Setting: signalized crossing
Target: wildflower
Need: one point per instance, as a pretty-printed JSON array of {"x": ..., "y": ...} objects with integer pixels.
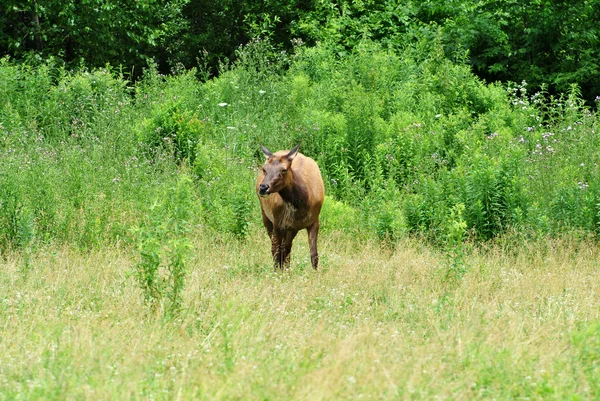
[
  {"x": 222, "y": 104},
  {"x": 583, "y": 185},
  {"x": 262, "y": 92},
  {"x": 546, "y": 135}
]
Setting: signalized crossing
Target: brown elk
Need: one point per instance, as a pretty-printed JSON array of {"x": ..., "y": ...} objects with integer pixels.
[{"x": 291, "y": 193}]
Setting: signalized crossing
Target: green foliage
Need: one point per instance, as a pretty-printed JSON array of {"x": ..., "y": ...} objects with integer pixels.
[
  {"x": 587, "y": 343},
  {"x": 174, "y": 130},
  {"x": 544, "y": 42},
  {"x": 485, "y": 195},
  {"x": 68, "y": 158},
  {"x": 541, "y": 42},
  {"x": 456, "y": 229},
  {"x": 15, "y": 219},
  {"x": 216, "y": 29},
  {"x": 382, "y": 211},
  {"x": 227, "y": 191},
  {"x": 338, "y": 216},
  {"x": 403, "y": 138},
  {"x": 120, "y": 33},
  {"x": 163, "y": 245}
]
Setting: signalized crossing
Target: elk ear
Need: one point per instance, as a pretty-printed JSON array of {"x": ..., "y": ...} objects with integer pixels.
[
  {"x": 266, "y": 151},
  {"x": 293, "y": 153}
]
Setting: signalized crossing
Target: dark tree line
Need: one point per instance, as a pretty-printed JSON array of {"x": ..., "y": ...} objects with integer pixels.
[{"x": 553, "y": 42}]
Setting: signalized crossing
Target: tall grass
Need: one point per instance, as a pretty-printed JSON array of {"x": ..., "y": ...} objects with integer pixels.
[
  {"x": 100, "y": 178},
  {"x": 401, "y": 137},
  {"x": 373, "y": 324}
]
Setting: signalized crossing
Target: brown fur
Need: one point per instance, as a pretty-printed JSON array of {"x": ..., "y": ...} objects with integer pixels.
[{"x": 291, "y": 197}]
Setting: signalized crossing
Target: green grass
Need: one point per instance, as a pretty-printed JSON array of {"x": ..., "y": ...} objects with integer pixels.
[
  {"x": 372, "y": 323},
  {"x": 458, "y": 245}
]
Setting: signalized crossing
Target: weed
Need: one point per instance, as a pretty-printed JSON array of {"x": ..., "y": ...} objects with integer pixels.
[
  {"x": 89, "y": 149},
  {"x": 163, "y": 246},
  {"x": 456, "y": 228}
]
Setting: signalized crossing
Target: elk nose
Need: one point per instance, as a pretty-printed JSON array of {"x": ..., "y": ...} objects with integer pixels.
[{"x": 262, "y": 189}]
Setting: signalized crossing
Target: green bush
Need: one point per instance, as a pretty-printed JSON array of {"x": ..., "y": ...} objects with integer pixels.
[
  {"x": 382, "y": 211},
  {"x": 402, "y": 137},
  {"x": 338, "y": 216},
  {"x": 227, "y": 193},
  {"x": 163, "y": 245},
  {"x": 171, "y": 129}
]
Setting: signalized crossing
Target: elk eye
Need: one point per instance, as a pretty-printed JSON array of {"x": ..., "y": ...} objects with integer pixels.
[{"x": 283, "y": 171}]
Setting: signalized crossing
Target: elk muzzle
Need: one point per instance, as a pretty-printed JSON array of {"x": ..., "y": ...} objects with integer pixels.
[{"x": 263, "y": 190}]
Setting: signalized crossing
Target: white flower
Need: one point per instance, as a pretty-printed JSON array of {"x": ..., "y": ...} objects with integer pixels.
[
  {"x": 222, "y": 104},
  {"x": 262, "y": 92}
]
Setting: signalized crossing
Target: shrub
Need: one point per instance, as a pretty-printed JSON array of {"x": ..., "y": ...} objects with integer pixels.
[
  {"x": 10, "y": 214},
  {"x": 402, "y": 138},
  {"x": 338, "y": 216},
  {"x": 456, "y": 228},
  {"x": 426, "y": 210},
  {"x": 382, "y": 211},
  {"x": 485, "y": 197},
  {"x": 170, "y": 128},
  {"x": 163, "y": 246},
  {"x": 226, "y": 187}
]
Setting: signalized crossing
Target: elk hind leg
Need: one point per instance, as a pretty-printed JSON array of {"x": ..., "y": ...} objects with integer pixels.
[{"x": 313, "y": 233}]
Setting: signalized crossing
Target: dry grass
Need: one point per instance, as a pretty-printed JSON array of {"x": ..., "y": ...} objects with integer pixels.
[{"x": 372, "y": 324}]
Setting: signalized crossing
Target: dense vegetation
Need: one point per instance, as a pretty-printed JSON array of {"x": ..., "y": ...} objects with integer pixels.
[
  {"x": 460, "y": 230},
  {"x": 409, "y": 142},
  {"x": 543, "y": 42}
]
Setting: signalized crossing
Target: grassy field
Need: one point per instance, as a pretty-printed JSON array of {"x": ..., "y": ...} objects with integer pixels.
[
  {"x": 373, "y": 323},
  {"x": 459, "y": 244}
]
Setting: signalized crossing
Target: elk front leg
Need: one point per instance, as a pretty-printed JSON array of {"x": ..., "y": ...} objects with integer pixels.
[
  {"x": 267, "y": 223},
  {"x": 286, "y": 246},
  {"x": 281, "y": 247},
  {"x": 276, "y": 250},
  {"x": 313, "y": 233}
]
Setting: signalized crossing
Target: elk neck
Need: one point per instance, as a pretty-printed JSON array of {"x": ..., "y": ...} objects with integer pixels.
[{"x": 295, "y": 193}]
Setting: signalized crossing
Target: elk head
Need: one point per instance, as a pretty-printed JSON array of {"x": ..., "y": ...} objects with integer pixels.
[{"x": 277, "y": 173}]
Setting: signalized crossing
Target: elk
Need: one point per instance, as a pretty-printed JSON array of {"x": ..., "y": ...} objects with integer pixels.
[{"x": 291, "y": 193}]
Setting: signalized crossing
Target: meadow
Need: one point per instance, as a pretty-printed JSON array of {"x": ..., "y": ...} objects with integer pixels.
[
  {"x": 459, "y": 250},
  {"x": 371, "y": 324}
]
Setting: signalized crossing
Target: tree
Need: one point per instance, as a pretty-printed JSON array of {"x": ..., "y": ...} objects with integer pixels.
[{"x": 117, "y": 32}]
